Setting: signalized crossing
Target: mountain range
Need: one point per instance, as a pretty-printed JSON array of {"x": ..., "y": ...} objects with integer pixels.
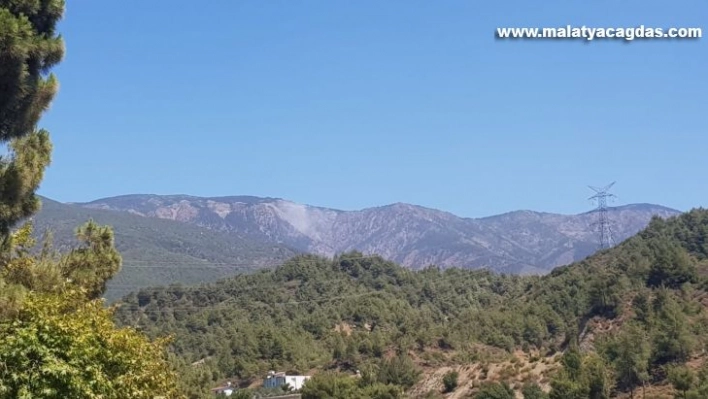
[{"x": 181, "y": 238}]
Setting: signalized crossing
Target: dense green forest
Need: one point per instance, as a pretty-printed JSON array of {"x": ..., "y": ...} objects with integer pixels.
[{"x": 629, "y": 319}]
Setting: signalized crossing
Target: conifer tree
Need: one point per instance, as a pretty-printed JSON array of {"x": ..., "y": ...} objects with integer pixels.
[
  {"x": 56, "y": 338},
  {"x": 29, "y": 48}
]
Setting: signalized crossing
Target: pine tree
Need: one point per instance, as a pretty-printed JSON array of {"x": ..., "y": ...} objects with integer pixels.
[
  {"x": 56, "y": 338},
  {"x": 630, "y": 352},
  {"x": 29, "y": 48}
]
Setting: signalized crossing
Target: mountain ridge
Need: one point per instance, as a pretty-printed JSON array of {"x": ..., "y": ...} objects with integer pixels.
[
  {"x": 523, "y": 241},
  {"x": 256, "y": 198}
]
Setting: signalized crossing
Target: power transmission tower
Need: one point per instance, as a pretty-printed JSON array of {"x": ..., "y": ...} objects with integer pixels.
[{"x": 603, "y": 222}]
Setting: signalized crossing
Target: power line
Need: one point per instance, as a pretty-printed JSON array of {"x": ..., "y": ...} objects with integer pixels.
[{"x": 603, "y": 225}]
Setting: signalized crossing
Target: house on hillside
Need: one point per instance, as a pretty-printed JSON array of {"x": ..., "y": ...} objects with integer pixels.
[
  {"x": 226, "y": 390},
  {"x": 275, "y": 380}
]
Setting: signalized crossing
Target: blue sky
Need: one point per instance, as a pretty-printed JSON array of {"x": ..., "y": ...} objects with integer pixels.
[{"x": 355, "y": 104}]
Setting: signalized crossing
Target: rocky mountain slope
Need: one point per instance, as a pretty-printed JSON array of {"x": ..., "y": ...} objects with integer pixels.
[{"x": 522, "y": 242}]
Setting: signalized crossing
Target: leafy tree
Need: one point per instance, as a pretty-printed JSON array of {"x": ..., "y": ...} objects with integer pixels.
[{"x": 60, "y": 346}]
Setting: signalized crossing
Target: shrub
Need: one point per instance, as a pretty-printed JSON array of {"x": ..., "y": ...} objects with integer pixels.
[{"x": 450, "y": 380}]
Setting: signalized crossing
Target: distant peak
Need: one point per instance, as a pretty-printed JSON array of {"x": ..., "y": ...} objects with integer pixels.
[
  {"x": 243, "y": 198},
  {"x": 401, "y": 205},
  {"x": 405, "y": 206},
  {"x": 646, "y": 207}
]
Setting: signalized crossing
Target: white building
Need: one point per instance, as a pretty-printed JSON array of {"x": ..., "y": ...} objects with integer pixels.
[
  {"x": 226, "y": 390},
  {"x": 275, "y": 380}
]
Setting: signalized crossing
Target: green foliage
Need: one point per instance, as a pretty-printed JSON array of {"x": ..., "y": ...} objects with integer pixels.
[
  {"x": 583, "y": 376},
  {"x": 572, "y": 363},
  {"x": 60, "y": 346},
  {"x": 682, "y": 378},
  {"x": 697, "y": 382},
  {"x": 629, "y": 352},
  {"x": 87, "y": 267},
  {"x": 57, "y": 340},
  {"x": 495, "y": 391},
  {"x": 565, "y": 388},
  {"x": 597, "y": 376},
  {"x": 241, "y": 394},
  {"x": 571, "y": 382},
  {"x": 338, "y": 386},
  {"x": 30, "y": 48},
  {"x": 286, "y": 318},
  {"x": 533, "y": 391},
  {"x": 399, "y": 370},
  {"x": 95, "y": 262},
  {"x": 450, "y": 381},
  {"x": 605, "y": 293},
  {"x": 672, "y": 266},
  {"x": 672, "y": 339}
]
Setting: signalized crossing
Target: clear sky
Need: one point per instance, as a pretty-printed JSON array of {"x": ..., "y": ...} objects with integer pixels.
[{"x": 351, "y": 104}]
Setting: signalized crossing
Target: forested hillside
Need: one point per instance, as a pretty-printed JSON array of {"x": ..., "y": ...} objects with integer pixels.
[
  {"x": 627, "y": 319},
  {"x": 158, "y": 251}
]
